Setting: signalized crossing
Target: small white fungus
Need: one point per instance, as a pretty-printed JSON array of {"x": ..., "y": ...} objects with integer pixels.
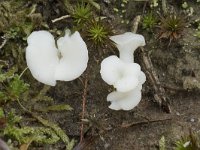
[
  {"x": 127, "y": 43},
  {"x": 41, "y": 57},
  {"x": 73, "y": 61},
  {"x": 125, "y": 75},
  {"x": 127, "y": 100},
  {"x": 48, "y": 63}
]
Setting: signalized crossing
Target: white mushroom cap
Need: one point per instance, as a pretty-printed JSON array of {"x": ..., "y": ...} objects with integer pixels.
[
  {"x": 43, "y": 60},
  {"x": 127, "y": 43},
  {"x": 123, "y": 76},
  {"x": 41, "y": 57},
  {"x": 126, "y": 100},
  {"x": 74, "y": 57}
]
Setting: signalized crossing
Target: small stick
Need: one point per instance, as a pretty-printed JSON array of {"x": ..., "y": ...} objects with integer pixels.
[
  {"x": 154, "y": 81},
  {"x": 83, "y": 106},
  {"x": 144, "y": 122},
  {"x": 136, "y": 22},
  {"x": 173, "y": 88},
  {"x": 164, "y": 7},
  {"x": 60, "y": 18},
  {"x": 152, "y": 75},
  {"x": 3, "y": 43},
  {"x": 23, "y": 72},
  {"x": 3, "y": 145}
]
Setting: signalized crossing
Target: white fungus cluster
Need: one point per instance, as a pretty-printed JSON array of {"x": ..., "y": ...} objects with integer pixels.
[
  {"x": 68, "y": 60},
  {"x": 125, "y": 75},
  {"x": 49, "y": 63}
]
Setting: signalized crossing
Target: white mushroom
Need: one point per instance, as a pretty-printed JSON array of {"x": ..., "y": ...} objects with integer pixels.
[
  {"x": 73, "y": 61},
  {"x": 41, "y": 57},
  {"x": 48, "y": 64},
  {"x": 123, "y": 76},
  {"x": 127, "y": 43},
  {"x": 126, "y": 100}
]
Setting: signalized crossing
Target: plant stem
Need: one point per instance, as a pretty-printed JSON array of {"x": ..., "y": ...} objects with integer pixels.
[
  {"x": 60, "y": 18},
  {"x": 20, "y": 104},
  {"x": 126, "y": 56},
  {"x": 3, "y": 43},
  {"x": 23, "y": 72},
  {"x": 83, "y": 106}
]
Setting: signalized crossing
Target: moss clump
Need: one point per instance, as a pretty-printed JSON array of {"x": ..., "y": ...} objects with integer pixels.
[
  {"x": 17, "y": 22},
  {"x": 82, "y": 13},
  {"x": 149, "y": 21},
  {"x": 15, "y": 91},
  {"x": 171, "y": 27},
  {"x": 189, "y": 142}
]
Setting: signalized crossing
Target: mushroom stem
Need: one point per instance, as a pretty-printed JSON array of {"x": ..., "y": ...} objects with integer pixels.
[{"x": 126, "y": 56}]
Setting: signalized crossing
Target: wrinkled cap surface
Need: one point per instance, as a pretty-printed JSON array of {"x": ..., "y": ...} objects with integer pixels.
[
  {"x": 123, "y": 76},
  {"x": 44, "y": 61},
  {"x": 127, "y": 100},
  {"x": 124, "y": 100}
]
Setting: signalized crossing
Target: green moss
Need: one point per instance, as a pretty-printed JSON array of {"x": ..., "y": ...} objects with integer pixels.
[
  {"x": 149, "y": 21},
  {"x": 162, "y": 143},
  {"x": 17, "y": 22},
  {"x": 82, "y": 13},
  {"x": 98, "y": 34},
  {"x": 32, "y": 134},
  {"x": 58, "y": 131},
  {"x": 17, "y": 87},
  {"x": 11, "y": 86},
  {"x": 28, "y": 134},
  {"x": 189, "y": 142},
  {"x": 12, "y": 90},
  {"x": 172, "y": 27}
]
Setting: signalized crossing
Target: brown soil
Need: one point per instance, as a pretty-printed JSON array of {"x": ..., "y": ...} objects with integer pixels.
[{"x": 178, "y": 69}]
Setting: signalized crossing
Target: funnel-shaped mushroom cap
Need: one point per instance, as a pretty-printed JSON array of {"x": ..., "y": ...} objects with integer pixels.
[
  {"x": 127, "y": 43},
  {"x": 74, "y": 57},
  {"x": 41, "y": 56},
  {"x": 126, "y": 100},
  {"x": 123, "y": 76}
]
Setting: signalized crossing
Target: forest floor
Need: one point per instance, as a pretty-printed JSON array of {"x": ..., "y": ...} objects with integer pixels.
[{"x": 177, "y": 66}]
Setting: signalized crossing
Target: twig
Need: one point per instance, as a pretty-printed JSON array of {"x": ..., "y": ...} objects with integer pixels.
[
  {"x": 3, "y": 43},
  {"x": 60, "y": 18},
  {"x": 136, "y": 22},
  {"x": 143, "y": 122},
  {"x": 173, "y": 88},
  {"x": 23, "y": 72},
  {"x": 25, "y": 109},
  {"x": 152, "y": 75},
  {"x": 159, "y": 94},
  {"x": 144, "y": 7},
  {"x": 3, "y": 145},
  {"x": 83, "y": 106},
  {"x": 164, "y": 7}
]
